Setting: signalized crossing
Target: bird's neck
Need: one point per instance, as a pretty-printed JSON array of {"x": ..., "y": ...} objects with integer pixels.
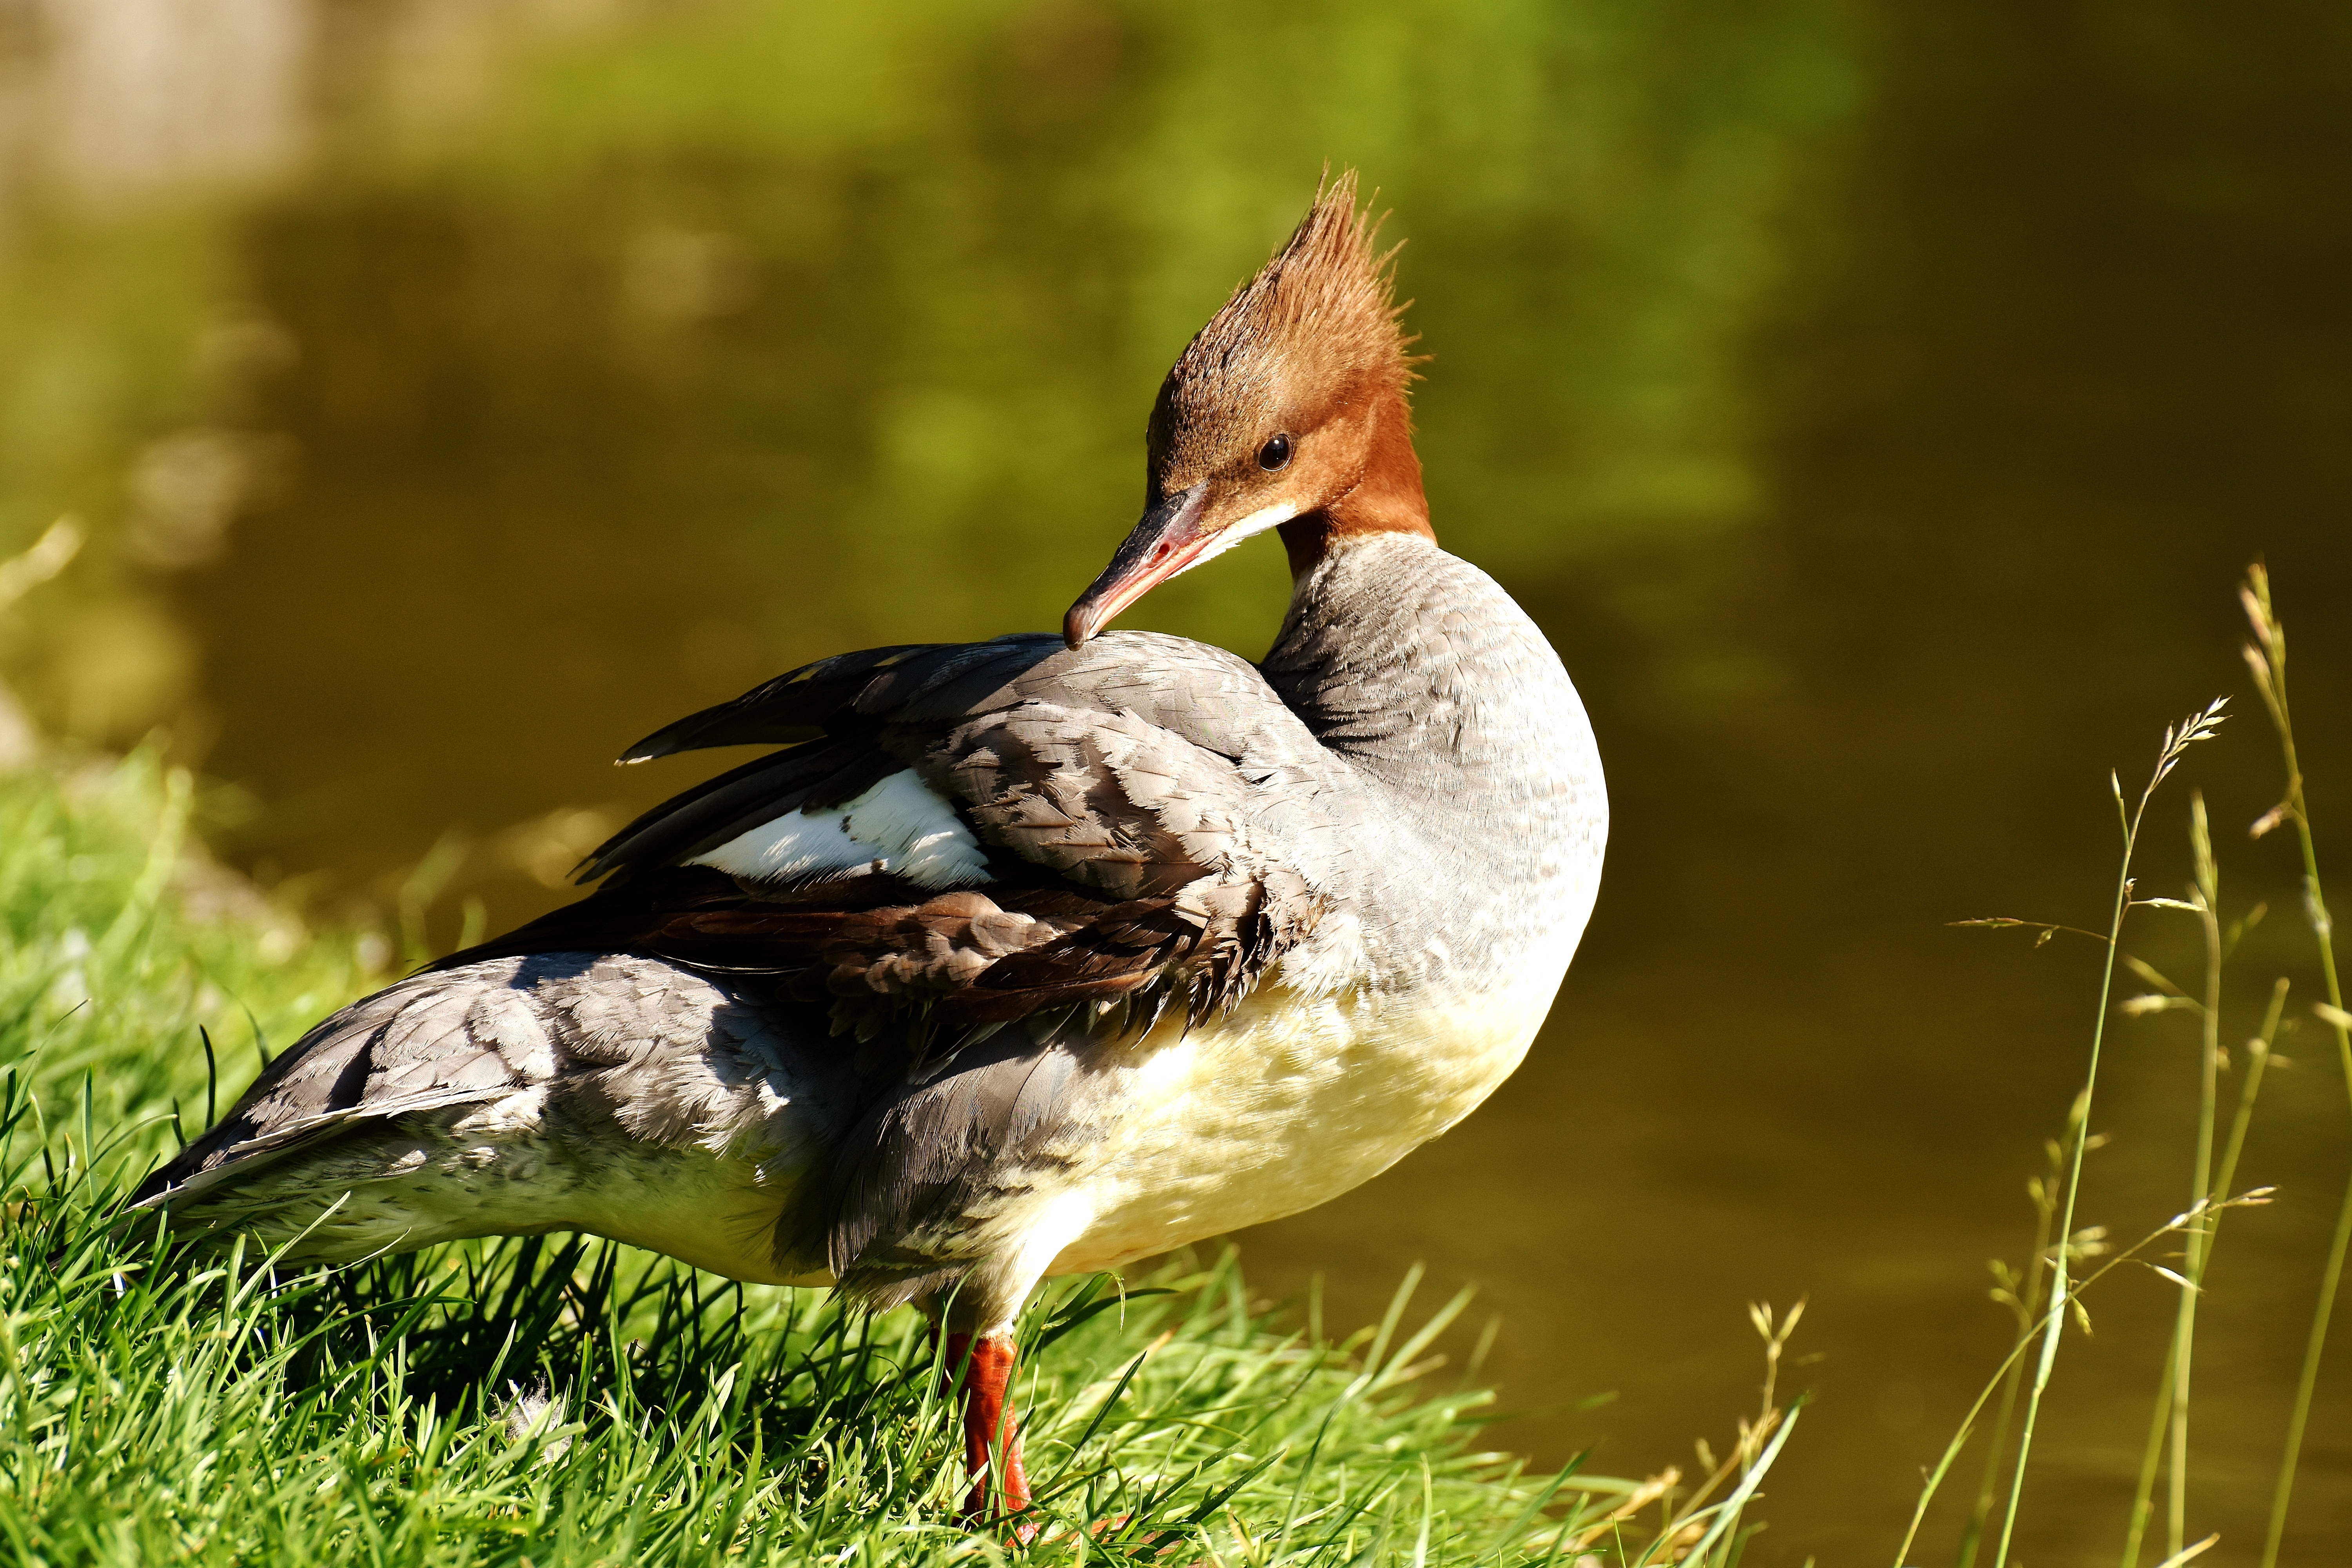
[
  {"x": 1418, "y": 668},
  {"x": 1486, "y": 809}
]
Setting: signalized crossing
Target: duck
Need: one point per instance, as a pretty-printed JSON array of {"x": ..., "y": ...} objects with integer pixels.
[{"x": 1021, "y": 958}]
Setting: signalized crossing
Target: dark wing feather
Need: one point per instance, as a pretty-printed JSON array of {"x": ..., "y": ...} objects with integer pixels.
[
  {"x": 929, "y": 681},
  {"x": 836, "y": 709}
]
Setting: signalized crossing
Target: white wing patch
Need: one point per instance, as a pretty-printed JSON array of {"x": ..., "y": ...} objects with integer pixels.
[{"x": 899, "y": 827}]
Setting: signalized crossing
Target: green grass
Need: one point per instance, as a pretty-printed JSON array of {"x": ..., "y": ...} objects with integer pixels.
[{"x": 565, "y": 1401}]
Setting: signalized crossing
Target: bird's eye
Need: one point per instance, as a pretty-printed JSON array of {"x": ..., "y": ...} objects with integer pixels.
[{"x": 1273, "y": 453}]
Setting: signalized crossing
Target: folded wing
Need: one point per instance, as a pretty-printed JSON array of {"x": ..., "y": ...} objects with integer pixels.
[{"x": 972, "y": 835}]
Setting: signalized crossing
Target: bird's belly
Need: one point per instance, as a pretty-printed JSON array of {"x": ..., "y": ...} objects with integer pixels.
[
  {"x": 710, "y": 1210},
  {"x": 501, "y": 1170},
  {"x": 1290, "y": 1103}
]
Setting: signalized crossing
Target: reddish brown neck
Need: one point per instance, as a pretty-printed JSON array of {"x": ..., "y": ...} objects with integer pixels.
[{"x": 1388, "y": 498}]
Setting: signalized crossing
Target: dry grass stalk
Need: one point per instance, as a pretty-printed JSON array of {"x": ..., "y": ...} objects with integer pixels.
[
  {"x": 2266, "y": 659},
  {"x": 2177, "y": 738}
]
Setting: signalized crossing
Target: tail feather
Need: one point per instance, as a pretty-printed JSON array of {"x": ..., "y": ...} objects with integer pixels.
[
  {"x": 570, "y": 1090},
  {"x": 425, "y": 1043}
]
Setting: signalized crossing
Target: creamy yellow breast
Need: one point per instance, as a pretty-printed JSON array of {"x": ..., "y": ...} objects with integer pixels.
[{"x": 1290, "y": 1102}]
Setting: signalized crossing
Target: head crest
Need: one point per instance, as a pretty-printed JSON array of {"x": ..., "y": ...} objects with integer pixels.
[
  {"x": 1317, "y": 324},
  {"x": 1328, "y": 282}
]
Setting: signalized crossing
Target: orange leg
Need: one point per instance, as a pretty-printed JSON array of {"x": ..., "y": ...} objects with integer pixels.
[{"x": 989, "y": 1419}]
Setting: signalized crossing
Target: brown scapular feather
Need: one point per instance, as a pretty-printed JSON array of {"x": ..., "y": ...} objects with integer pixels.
[{"x": 962, "y": 960}]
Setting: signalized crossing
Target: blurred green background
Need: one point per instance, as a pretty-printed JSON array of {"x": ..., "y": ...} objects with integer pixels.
[{"x": 1876, "y": 404}]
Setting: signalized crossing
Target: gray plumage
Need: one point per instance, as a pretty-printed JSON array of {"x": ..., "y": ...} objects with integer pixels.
[{"x": 498, "y": 1098}]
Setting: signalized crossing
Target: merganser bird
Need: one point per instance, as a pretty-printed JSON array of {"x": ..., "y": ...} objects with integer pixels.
[{"x": 1025, "y": 957}]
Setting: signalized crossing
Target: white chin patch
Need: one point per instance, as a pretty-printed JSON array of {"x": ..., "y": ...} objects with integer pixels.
[
  {"x": 1255, "y": 524},
  {"x": 897, "y": 828}
]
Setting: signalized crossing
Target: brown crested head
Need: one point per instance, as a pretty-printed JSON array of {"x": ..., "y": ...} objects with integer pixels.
[{"x": 1288, "y": 410}]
